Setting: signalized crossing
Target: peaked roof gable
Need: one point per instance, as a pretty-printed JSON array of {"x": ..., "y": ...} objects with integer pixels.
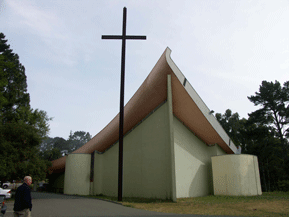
[{"x": 188, "y": 107}]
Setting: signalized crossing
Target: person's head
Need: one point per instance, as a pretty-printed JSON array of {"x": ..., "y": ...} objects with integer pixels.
[{"x": 28, "y": 180}]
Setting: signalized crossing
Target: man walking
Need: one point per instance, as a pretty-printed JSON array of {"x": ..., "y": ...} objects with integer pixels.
[{"x": 22, "y": 204}]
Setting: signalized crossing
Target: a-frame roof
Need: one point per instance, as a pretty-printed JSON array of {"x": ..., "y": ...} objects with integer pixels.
[{"x": 188, "y": 107}]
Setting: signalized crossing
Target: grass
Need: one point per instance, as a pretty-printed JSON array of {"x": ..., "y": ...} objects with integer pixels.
[{"x": 268, "y": 204}]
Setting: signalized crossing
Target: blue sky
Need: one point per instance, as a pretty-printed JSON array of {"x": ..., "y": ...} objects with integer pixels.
[{"x": 224, "y": 48}]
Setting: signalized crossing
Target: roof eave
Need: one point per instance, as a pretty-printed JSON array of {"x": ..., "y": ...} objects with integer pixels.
[{"x": 206, "y": 127}]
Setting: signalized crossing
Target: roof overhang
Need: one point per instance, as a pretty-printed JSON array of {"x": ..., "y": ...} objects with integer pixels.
[{"x": 188, "y": 107}]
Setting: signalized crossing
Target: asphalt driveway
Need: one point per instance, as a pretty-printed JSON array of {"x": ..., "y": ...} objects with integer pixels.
[{"x": 59, "y": 205}]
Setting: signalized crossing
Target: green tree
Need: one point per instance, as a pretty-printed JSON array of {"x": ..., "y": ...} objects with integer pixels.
[
  {"x": 46, "y": 144},
  {"x": 78, "y": 139},
  {"x": 232, "y": 125},
  {"x": 274, "y": 113},
  {"x": 52, "y": 154},
  {"x": 61, "y": 144},
  {"x": 261, "y": 141},
  {"x": 14, "y": 97},
  {"x": 51, "y": 148},
  {"x": 19, "y": 152},
  {"x": 274, "y": 101},
  {"x": 21, "y": 128}
]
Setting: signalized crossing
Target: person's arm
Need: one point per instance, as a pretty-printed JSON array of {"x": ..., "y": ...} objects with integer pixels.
[{"x": 27, "y": 199}]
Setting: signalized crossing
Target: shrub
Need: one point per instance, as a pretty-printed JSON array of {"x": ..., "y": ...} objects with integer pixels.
[{"x": 283, "y": 185}]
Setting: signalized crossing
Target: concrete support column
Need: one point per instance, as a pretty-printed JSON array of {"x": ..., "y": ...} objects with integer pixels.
[{"x": 171, "y": 139}]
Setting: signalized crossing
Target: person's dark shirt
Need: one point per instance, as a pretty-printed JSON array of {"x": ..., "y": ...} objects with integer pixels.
[{"x": 23, "y": 198}]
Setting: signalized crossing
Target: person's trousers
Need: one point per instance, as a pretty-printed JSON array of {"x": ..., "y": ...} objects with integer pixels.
[{"x": 22, "y": 213}]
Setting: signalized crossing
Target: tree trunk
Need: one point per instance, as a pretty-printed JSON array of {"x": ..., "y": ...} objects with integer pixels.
[
  {"x": 264, "y": 178},
  {"x": 268, "y": 174}
]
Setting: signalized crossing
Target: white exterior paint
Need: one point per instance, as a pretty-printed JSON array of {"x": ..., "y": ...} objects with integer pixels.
[
  {"x": 77, "y": 174},
  {"x": 236, "y": 175},
  {"x": 146, "y": 160},
  {"x": 192, "y": 163}
]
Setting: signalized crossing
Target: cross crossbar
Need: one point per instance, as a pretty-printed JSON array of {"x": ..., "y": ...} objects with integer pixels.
[{"x": 125, "y": 37}]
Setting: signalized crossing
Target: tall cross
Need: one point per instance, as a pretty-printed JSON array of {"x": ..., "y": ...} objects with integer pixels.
[{"x": 123, "y": 37}]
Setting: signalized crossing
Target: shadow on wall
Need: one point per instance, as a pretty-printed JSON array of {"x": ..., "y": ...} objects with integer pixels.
[
  {"x": 200, "y": 182},
  {"x": 197, "y": 150}
]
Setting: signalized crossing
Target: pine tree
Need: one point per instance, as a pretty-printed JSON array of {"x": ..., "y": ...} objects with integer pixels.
[{"x": 14, "y": 98}]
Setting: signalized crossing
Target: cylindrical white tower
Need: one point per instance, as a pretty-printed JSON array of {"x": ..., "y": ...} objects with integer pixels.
[
  {"x": 236, "y": 175},
  {"x": 77, "y": 174}
]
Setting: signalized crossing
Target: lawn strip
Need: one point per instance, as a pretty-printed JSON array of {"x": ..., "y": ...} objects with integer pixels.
[{"x": 253, "y": 208}]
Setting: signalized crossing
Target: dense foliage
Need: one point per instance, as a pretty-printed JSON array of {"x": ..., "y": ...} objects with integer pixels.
[
  {"x": 22, "y": 129},
  {"x": 265, "y": 133},
  {"x": 54, "y": 148},
  {"x": 25, "y": 147}
]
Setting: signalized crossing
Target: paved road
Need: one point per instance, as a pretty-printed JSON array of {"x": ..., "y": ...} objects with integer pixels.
[{"x": 58, "y": 205}]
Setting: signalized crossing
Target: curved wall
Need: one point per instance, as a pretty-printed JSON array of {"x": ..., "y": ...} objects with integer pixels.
[
  {"x": 236, "y": 175},
  {"x": 77, "y": 174}
]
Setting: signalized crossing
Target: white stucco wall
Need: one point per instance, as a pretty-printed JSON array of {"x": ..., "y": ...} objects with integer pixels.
[
  {"x": 236, "y": 175},
  {"x": 77, "y": 174},
  {"x": 106, "y": 172},
  {"x": 192, "y": 163},
  {"x": 145, "y": 161}
]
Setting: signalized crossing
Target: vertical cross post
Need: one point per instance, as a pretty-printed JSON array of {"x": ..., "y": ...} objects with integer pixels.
[{"x": 123, "y": 37}]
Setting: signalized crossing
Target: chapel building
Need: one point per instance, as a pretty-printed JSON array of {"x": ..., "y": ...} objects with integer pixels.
[{"x": 171, "y": 137}]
